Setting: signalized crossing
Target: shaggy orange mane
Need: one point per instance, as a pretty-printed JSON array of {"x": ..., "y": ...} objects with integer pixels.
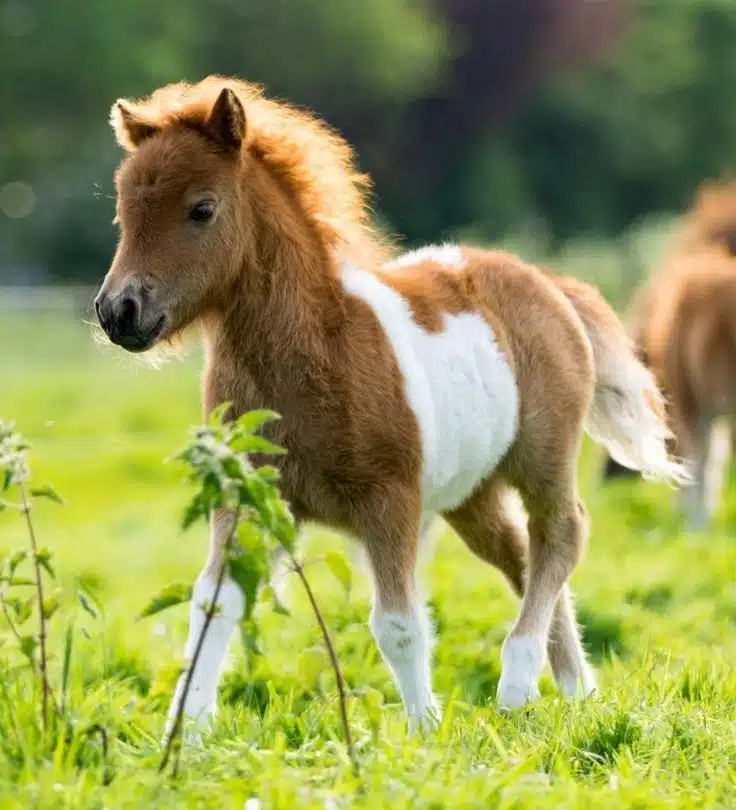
[{"x": 313, "y": 161}]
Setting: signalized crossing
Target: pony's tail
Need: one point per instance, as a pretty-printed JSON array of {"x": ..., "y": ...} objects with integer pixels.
[{"x": 627, "y": 415}]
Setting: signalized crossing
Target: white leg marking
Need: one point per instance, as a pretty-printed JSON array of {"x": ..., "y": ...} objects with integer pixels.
[
  {"x": 719, "y": 450},
  {"x": 574, "y": 676},
  {"x": 694, "y": 496},
  {"x": 201, "y": 701},
  {"x": 573, "y": 686},
  {"x": 522, "y": 659},
  {"x": 405, "y": 641}
]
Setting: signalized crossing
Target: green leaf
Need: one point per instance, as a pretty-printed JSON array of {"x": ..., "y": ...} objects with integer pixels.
[
  {"x": 22, "y": 608},
  {"x": 268, "y": 474},
  {"x": 250, "y": 637},
  {"x": 174, "y": 594},
  {"x": 67, "y": 665},
  {"x": 340, "y": 569},
  {"x": 270, "y": 597},
  {"x": 50, "y": 606},
  {"x": 12, "y": 581},
  {"x": 256, "y": 444},
  {"x": 47, "y": 491},
  {"x": 28, "y": 646},
  {"x": 255, "y": 420},
  {"x": 249, "y": 574},
  {"x": 44, "y": 560},
  {"x": 85, "y": 602},
  {"x": 193, "y": 512},
  {"x": 217, "y": 414},
  {"x": 16, "y": 558}
]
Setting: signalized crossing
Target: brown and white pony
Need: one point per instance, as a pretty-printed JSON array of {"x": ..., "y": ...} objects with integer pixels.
[
  {"x": 683, "y": 322},
  {"x": 438, "y": 382}
]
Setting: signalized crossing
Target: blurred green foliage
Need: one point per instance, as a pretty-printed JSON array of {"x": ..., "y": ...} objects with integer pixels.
[{"x": 475, "y": 117}]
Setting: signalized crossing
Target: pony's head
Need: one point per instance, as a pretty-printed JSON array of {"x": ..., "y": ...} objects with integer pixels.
[
  {"x": 180, "y": 201},
  {"x": 219, "y": 179},
  {"x": 713, "y": 216}
]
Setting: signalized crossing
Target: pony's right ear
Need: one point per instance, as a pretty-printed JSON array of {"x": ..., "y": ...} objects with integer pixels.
[
  {"x": 226, "y": 123},
  {"x": 129, "y": 125}
]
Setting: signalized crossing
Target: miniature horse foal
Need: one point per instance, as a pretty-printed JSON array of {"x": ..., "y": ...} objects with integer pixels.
[{"x": 439, "y": 382}]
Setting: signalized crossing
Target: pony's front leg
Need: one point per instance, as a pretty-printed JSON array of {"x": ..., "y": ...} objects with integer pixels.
[
  {"x": 200, "y": 703},
  {"x": 400, "y": 622}
]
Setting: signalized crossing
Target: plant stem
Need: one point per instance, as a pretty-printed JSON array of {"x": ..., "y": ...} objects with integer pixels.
[
  {"x": 209, "y": 616},
  {"x": 8, "y": 617},
  {"x": 99, "y": 729},
  {"x": 335, "y": 663},
  {"x": 43, "y": 660}
]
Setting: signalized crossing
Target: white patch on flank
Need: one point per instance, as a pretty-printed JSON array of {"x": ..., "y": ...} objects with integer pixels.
[
  {"x": 447, "y": 255},
  {"x": 522, "y": 659},
  {"x": 457, "y": 383},
  {"x": 405, "y": 641}
]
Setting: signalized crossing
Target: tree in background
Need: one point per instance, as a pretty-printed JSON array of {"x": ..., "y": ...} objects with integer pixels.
[{"x": 474, "y": 116}]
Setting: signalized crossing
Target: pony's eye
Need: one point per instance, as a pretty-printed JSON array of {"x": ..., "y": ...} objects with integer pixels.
[{"x": 202, "y": 211}]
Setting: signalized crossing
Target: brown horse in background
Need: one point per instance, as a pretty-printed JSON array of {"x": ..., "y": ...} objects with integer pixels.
[{"x": 683, "y": 322}]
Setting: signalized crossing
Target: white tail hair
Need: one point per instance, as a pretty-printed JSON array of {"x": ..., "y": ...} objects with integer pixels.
[{"x": 627, "y": 414}]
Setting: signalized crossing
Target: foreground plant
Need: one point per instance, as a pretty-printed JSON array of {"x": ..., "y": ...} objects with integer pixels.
[
  {"x": 17, "y": 493},
  {"x": 222, "y": 458}
]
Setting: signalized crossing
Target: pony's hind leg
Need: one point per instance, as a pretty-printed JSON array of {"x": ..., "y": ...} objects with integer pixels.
[
  {"x": 200, "y": 704},
  {"x": 493, "y": 525},
  {"x": 557, "y": 526},
  {"x": 695, "y": 444},
  {"x": 719, "y": 451},
  {"x": 573, "y": 674}
]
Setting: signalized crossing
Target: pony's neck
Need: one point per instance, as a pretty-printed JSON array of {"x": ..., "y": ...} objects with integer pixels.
[{"x": 287, "y": 303}]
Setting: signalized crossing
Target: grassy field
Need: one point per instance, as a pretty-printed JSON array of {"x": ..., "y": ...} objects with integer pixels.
[{"x": 658, "y": 607}]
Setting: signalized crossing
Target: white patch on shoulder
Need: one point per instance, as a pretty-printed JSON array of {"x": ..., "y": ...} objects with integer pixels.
[
  {"x": 459, "y": 386},
  {"x": 448, "y": 255}
]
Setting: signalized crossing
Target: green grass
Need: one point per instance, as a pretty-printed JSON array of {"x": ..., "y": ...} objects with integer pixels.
[{"x": 658, "y": 607}]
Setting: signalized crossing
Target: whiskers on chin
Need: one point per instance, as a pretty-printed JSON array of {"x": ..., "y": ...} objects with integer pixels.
[{"x": 173, "y": 347}]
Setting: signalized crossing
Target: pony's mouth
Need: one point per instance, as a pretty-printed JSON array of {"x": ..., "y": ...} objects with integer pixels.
[{"x": 137, "y": 342}]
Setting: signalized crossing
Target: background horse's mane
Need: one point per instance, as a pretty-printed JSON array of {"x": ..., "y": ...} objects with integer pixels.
[
  {"x": 316, "y": 163},
  {"x": 710, "y": 220}
]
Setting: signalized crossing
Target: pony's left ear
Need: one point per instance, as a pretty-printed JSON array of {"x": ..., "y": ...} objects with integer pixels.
[
  {"x": 226, "y": 122},
  {"x": 130, "y": 125}
]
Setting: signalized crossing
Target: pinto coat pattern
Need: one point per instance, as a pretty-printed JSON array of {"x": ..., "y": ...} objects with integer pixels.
[{"x": 447, "y": 381}]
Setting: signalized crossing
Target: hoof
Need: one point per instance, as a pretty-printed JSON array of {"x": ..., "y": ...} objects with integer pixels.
[
  {"x": 427, "y": 722},
  {"x": 512, "y": 696}
]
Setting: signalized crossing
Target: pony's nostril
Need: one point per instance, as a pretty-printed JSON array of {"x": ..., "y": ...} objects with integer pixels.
[
  {"x": 102, "y": 308},
  {"x": 128, "y": 318}
]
